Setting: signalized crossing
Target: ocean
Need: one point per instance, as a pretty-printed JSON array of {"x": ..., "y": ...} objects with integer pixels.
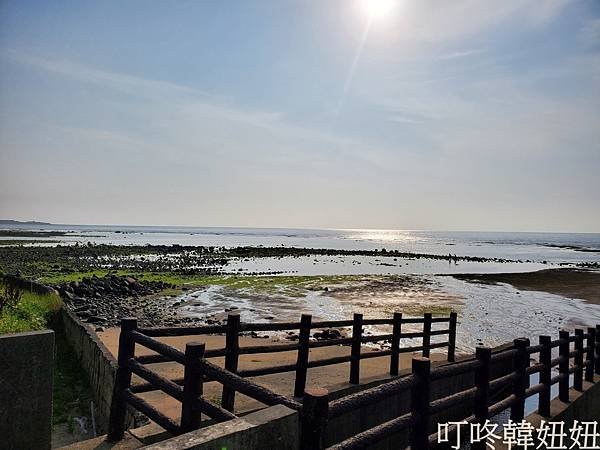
[{"x": 536, "y": 247}]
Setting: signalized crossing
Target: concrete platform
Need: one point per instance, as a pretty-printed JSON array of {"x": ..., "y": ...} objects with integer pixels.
[{"x": 100, "y": 443}]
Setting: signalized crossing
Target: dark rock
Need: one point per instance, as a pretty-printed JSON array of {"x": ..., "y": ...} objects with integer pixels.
[{"x": 327, "y": 334}]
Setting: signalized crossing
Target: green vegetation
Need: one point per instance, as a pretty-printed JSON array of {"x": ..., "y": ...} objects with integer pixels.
[
  {"x": 419, "y": 310},
  {"x": 22, "y": 310},
  {"x": 30, "y": 312},
  {"x": 71, "y": 395},
  {"x": 53, "y": 263},
  {"x": 18, "y": 242},
  {"x": 180, "y": 280}
]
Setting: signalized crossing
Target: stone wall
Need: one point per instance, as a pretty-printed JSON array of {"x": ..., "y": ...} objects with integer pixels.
[
  {"x": 26, "y": 367},
  {"x": 32, "y": 286},
  {"x": 95, "y": 359}
]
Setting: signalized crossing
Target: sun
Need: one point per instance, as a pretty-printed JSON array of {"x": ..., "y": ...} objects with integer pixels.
[{"x": 378, "y": 8}]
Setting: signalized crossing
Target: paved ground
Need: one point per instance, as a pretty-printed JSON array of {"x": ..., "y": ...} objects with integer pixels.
[{"x": 327, "y": 377}]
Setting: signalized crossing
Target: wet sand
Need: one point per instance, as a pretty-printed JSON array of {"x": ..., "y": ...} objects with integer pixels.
[
  {"x": 570, "y": 283},
  {"x": 329, "y": 377}
]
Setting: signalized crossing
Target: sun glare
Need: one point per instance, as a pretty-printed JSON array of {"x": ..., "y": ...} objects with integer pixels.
[{"x": 378, "y": 8}]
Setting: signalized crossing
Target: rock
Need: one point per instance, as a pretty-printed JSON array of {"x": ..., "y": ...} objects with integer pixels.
[{"x": 327, "y": 334}]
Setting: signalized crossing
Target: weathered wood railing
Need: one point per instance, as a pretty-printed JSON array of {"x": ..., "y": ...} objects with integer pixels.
[
  {"x": 318, "y": 410},
  {"x": 234, "y": 328},
  {"x": 198, "y": 370}
]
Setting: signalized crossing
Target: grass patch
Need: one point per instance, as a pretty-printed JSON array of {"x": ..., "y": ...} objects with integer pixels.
[
  {"x": 31, "y": 313},
  {"x": 24, "y": 242},
  {"x": 442, "y": 311}
]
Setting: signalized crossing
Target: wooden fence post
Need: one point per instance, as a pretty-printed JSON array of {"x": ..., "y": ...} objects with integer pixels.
[
  {"x": 452, "y": 338},
  {"x": 563, "y": 366},
  {"x": 545, "y": 376},
  {"x": 303, "y": 352},
  {"x": 591, "y": 354},
  {"x": 314, "y": 415},
  {"x": 578, "y": 374},
  {"x": 357, "y": 325},
  {"x": 426, "y": 335},
  {"x": 118, "y": 408},
  {"x": 232, "y": 348},
  {"x": 517, "y": 411},
  {"x": 419, "y": 397},
  {"x": 191, "y": 418},
  {"x": 597, "y": 358},
  {"x": 395, "y": 356},
  {"x": 482, "y": 383}
]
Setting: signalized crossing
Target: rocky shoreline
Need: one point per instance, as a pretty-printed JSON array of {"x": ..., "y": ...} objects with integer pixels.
[{"x": 103, "y": 301}]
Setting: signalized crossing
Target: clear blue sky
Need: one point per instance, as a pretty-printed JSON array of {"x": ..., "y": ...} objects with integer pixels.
[{"x": 463, "y": 114}]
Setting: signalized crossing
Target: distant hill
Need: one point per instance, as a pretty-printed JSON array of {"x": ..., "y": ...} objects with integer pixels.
[{"x": 18, "y": 222}]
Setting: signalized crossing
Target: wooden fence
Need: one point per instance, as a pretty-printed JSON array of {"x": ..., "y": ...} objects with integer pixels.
[
  {"x": 317, "y": 410},
  {"x": 197, "y": 370}
]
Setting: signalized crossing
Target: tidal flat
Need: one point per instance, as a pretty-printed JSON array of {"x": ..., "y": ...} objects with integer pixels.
[{"x": 176, "y": 285}]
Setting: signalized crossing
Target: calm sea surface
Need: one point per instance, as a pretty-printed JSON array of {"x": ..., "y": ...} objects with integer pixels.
[{"x": 537, "y": 247}]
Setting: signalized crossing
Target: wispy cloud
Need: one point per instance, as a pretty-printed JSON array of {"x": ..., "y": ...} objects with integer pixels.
[
  {"x": 405, "y": 119},
  {"x": 590, "y": 33},
  {"x": 426, "y": 22},
  {"x": 121, "y": 82},
  {"x": 186, "y": 119},
  {"x": 460, "y": 54}
]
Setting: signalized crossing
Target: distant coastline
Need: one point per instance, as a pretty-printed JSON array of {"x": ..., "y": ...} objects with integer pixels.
[{"x": 19, "y": 222}]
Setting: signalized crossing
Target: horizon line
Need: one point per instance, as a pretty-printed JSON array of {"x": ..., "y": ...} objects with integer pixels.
[{"x": 40, "y": 222}]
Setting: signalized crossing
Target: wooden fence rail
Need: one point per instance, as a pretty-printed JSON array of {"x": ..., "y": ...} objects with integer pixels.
[
  {"x": 316, "y": 409},
  {"x": 197, "y": 370},
  {"x": 232, "y": 350},
  {"x": 585, "y": 357}
]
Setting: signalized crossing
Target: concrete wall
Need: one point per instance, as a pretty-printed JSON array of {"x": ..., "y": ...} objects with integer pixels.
[
  {"x": 95, "y": 359},
  {"x": 93, "y": 356},
  {"x": 32, "y": 286},
  {"x": 274, "y": 428},
  {"x": 26, "y": 367}
]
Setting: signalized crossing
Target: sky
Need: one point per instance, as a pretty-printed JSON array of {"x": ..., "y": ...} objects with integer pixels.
[{"x": 438, "y": 115}]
